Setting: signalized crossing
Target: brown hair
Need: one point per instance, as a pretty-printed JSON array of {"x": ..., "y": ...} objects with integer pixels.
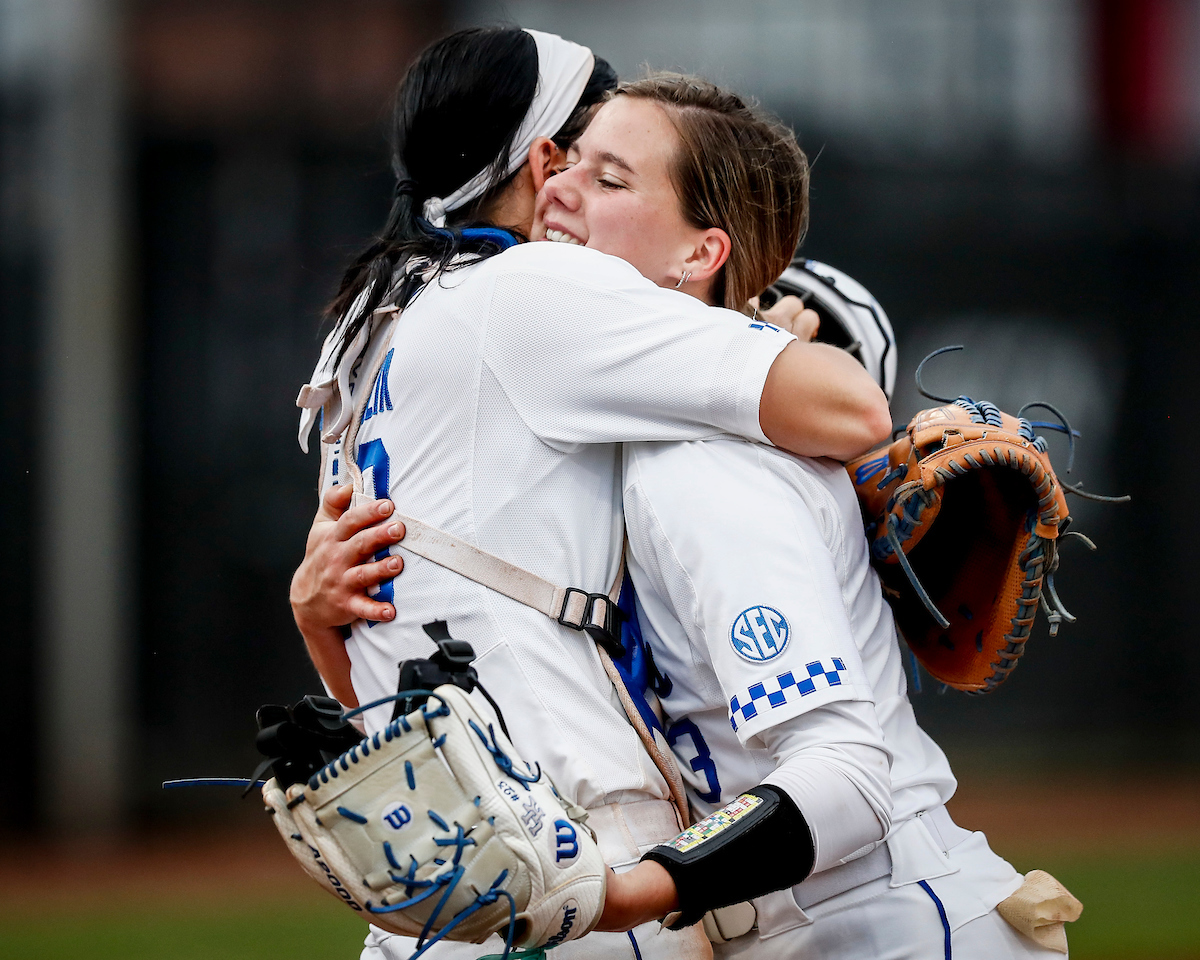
[{"x": 737, "y": 169}]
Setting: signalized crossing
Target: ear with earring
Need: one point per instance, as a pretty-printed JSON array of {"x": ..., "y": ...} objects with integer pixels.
[{"x": 687, "y": 275}]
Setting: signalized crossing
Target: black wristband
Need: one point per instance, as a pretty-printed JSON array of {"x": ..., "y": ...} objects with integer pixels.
[{"x": 754, "y": 845}]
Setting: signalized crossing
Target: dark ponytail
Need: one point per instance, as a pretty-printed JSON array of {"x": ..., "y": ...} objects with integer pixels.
[{"x": 457, "y": 112}]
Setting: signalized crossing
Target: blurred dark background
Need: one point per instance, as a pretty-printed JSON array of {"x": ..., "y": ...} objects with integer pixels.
[{"x": 182, "y": 183}]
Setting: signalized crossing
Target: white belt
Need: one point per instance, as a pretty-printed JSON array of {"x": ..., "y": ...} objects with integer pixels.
[
  {"x": 876, "y": 864},
  {"x": 625, "y": 831},
  {"x": 829, "y": 883}
]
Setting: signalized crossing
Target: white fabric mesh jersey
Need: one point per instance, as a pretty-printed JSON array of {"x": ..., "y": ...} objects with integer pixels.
[
  {"x": 497, "y": 418},
  {"x": 791, "y": 553},
  {"x": 781, "y": 665}
]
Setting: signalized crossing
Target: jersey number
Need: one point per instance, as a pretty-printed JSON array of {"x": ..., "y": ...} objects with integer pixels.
[
  {"x": 702, "y": 762},
  {"x": 371, "y": 454}
]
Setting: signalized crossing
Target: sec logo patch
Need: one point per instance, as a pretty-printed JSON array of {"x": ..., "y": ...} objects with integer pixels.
[{"x": 759, "y": 634}]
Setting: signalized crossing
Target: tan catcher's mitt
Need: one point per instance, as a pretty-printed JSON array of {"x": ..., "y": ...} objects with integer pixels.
[{"x": 964, "y": 515}]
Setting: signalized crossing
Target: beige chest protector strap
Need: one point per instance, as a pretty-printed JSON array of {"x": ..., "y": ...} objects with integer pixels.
[{"x": 593, "y": 613}]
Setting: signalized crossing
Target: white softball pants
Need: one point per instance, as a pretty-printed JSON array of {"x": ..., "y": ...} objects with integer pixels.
[{"x": 948, "y": 917}]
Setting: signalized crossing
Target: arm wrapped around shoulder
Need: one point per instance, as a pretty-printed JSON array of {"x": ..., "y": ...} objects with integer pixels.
[{"x": 763, "y": 827}]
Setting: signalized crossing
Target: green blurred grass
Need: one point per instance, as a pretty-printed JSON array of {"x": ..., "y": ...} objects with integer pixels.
[
  {"x": 1136, "y": 907},
  {"x": 199, "y": 928}
]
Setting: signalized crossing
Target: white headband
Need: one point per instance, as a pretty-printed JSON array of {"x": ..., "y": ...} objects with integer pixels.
[{"x": 564, "y": 69}]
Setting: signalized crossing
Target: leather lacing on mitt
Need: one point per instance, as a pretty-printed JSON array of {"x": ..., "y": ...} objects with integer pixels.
[{"x": 966, "y": 588}]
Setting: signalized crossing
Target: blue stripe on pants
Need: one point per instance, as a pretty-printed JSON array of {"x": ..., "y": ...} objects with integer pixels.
[{"x": 941, "y": 913}]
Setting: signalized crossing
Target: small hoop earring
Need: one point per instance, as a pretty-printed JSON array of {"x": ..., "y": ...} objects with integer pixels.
[{"x": 687, "y": 275}]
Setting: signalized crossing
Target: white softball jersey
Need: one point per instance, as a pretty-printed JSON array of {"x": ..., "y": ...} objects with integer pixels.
[
  {"x": 759, "y": 604},
  {"x": 497, "y": 417},
  {"x": 779, "y": 662}
]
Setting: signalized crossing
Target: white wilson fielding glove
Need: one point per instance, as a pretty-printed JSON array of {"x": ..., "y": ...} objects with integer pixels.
[{"x": 434, "y": 827}]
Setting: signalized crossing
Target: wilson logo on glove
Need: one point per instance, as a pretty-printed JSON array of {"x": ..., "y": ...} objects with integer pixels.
[
  {"x": 396, "y": 815},
  {"x": 566, "y": 845},
  {"x": 570, "y": 909}
]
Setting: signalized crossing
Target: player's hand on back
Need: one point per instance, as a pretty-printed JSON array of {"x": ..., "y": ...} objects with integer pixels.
[
  {"x": 790, "y": 314},
  {"x": 329, "y": 588}
]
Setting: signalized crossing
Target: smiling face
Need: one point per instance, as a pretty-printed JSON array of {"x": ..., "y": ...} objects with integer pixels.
[{"x": 617, "y": 196}]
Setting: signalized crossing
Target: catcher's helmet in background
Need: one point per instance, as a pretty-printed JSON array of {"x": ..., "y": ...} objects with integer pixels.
[{"x": 850, "y": 317}]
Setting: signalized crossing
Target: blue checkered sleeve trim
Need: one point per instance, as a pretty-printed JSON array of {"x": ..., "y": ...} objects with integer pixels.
[{"x": 784, "y": 688}]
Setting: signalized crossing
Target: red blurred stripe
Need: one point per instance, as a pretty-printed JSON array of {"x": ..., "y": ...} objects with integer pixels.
[{"x": 1140, "y": 44}]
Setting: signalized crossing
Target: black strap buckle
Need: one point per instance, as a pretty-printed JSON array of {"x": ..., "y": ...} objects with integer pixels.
[
  {"x": 451, "y": 664},
  {"x": 605, "y": 629}
]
